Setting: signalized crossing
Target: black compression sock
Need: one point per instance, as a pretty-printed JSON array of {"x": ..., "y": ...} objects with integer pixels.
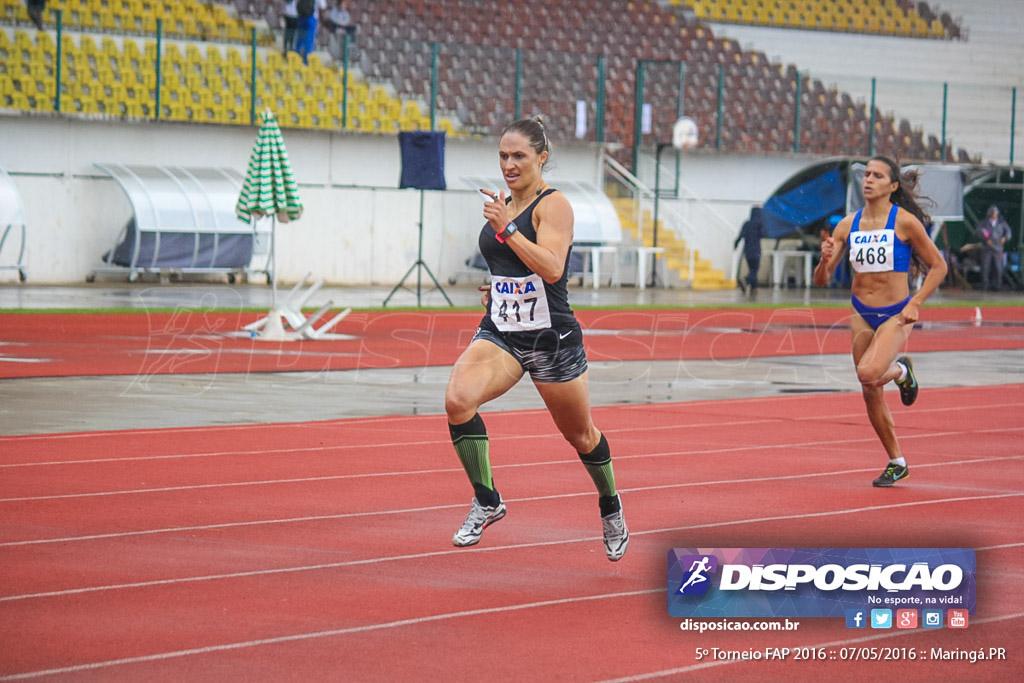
[
  {"x": 609, "y": 505},
  {"x": 598, "y": 464}
]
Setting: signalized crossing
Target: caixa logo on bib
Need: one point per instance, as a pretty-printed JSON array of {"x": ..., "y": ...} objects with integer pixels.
[{"x": 816, "y": 582}]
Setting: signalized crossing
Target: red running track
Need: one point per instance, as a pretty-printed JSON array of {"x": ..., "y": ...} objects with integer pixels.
[
  {"x": 198, "y": 341},
  {"x": 321, "y": 550}
]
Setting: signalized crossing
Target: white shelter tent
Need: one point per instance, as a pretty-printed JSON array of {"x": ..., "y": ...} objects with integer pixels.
[{"x": 12, "y": 225}]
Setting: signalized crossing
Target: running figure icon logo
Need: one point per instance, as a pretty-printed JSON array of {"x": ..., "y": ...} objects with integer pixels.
[{"x": 696, "y": 581}]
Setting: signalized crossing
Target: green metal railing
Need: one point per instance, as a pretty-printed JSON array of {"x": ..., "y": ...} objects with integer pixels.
[{"x": 663, "y": 88}]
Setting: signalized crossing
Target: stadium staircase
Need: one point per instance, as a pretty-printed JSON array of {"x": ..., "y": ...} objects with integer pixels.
[{"x": 677, "y": 251}]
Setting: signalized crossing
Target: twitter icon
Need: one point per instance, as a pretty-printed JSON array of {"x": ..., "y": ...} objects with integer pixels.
[{"x": 881, "y": 618}]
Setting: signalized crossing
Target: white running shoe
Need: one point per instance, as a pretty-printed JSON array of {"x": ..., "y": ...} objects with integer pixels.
[
  {"x": 616, "y": 535},
  {"x": 478, "y": 519}
]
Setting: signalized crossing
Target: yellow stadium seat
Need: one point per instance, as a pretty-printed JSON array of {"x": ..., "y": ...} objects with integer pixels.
[
  {"x": 176, "y": 112},
  {"x": 274, "y": 60},
  {"x": 107, "y": 21},
  {"x": 45, "y": 41},
  {"x": 45, "y": 102},
  {"x": 235, "y": 32},
  {"x": 19, "y": 101},
  {"x": 38, "y": 70},
  {"x": 359, "y": 92}
]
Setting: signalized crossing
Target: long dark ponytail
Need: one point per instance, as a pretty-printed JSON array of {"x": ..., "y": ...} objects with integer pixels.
[
  {"x": 905, "y": 195},
  {"x": 906, "y": 198}
]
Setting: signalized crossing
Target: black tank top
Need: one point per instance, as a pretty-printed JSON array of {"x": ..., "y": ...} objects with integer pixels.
[{"x": 503, "y": 262}]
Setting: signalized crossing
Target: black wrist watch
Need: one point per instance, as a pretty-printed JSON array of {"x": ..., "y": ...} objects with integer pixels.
[{"x": 509, "y": 230}]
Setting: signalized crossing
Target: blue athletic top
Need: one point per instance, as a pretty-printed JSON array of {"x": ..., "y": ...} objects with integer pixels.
[{"x": 878, "y": 251}]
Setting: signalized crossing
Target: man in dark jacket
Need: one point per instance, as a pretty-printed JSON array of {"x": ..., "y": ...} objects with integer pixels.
[
  {"x": 993, "y": 232},
  {"x": 750, "y": 235},
  {"x": 35, "y": 12}
]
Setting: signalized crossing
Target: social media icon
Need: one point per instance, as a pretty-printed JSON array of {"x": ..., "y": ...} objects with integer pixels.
[
  {"x": 958, "y": 618},
  {"x": 881, "y": 618},
  {"x": 906, "y": 618},
  {"x": 931, "y": 618},
  {"x": 856, "y": 618}
]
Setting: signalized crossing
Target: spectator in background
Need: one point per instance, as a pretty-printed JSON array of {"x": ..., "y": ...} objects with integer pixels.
[
  {"x": 993, "y": 232},
  {"x": 35, "y": 12},
  {"x": 291, "y": 24},
  {"x": 751, "y": 234},
  {"x": 309, "y": 12},
  {"x": 339, "y": 18}
]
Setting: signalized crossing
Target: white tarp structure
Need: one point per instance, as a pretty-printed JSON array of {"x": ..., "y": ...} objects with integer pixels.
[
  {"x": 12, "y": 225},
  {"x": 941, "y": 185},
  {"x": 183, "y": 220}
]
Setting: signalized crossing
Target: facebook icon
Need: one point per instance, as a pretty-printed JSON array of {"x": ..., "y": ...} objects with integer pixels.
[{"x": 856, "y": 618}]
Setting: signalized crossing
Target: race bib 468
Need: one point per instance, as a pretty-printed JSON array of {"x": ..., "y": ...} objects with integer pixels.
[{"x": 873, "y": 251}]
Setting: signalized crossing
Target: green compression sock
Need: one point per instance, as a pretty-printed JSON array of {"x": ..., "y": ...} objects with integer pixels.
[
  {"x": 473, "y": 449},
  {"x": 598, "y": 463}
]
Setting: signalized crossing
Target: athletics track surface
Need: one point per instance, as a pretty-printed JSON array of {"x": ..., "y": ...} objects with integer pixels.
[
  {"x": 320, "y": 551},
  {"x": 196, "y": 341}
]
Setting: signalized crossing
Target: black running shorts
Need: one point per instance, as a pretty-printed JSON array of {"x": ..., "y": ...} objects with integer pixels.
[{"x": 563, "y": 363}]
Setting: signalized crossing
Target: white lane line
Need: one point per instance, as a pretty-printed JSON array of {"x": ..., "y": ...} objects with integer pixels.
[
  {"x": 373, "y": 475},
  {"x": 215, "y": 428},
  {"x": 317, "y": 518},
  {"x": 518, "y": 546},
  {"x": 836, "y": 643},
  {"x": 388, "y": 444},
  {"x": 445, "y": 617},
  {"x": 327, "y": 634},
  {"x": 960, "y": 409}
]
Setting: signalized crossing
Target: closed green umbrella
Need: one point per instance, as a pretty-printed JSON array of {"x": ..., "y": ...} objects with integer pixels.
[{"x": 269, "y": 189}]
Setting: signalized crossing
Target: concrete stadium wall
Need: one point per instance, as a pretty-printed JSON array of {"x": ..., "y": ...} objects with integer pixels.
[{"x": 358, "y": 228}]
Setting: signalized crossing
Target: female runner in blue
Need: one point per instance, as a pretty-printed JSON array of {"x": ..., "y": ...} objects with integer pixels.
[
  {"x": 881, "y": 240},
  {"x": 529, "y": 327}
]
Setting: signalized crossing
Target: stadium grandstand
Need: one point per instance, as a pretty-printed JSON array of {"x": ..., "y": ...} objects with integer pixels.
[
  {"x": 761, "y": 78},
  {"x": 108, "y": 67}
]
